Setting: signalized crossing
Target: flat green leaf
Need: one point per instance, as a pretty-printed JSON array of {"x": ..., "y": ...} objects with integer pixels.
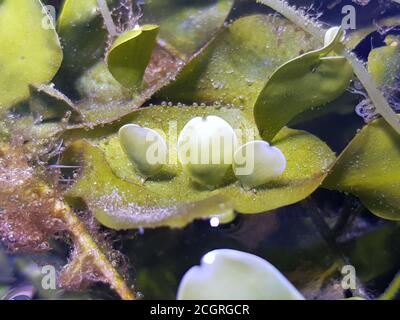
[
  {"x": 370, "y": 169},
  {"x": 308, "y": 160},
  {"x": 30, "y": 51},
  {"x": 103, "y": 96},
  {"x": 226, "y": 274},
  {"x": 130, "y": 54},
  {"x": 83, "y": 36},
  {"x": 119, "y": 204},
  {"x": 234, "y": 68},
  {"x": 39, "y": 139},
  {"x": 105, "y": 100},
  {"x": 384, "y": 62},
  {"x": 303, "y": 83},
  {"x": 49, "y": 103},
  {"x": 186, "y": 26}
]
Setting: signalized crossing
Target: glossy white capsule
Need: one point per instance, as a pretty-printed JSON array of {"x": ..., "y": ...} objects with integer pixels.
[
  {"x": 257, "y": 163},
  {"x": 145, "y": 148},
  {"x": 205, "y": 149},
  {"x": 226, "y": 274}
]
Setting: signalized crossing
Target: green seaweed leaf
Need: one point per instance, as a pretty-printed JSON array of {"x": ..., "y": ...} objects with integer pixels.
[
  {"x": 49, "y": 103},
  {"x": 384, "y": 62},
  {"x": 234, "y": 68},
  {"x": 306, "y": 82},
  {"x": 186, "y": 27},
  {"x": 369, "y": 168},
  {"x": 360, "y": 71},
  {"x": 30, "y": 50},
  {"x": 115, "y": 192},
  {"x": 83, "y": 36},
  {"x": 119, "y": 204},
  {"x": 130, "y": 54},
  {"x": 103, "y": 99},
  {"x": 103, "y": 96}
]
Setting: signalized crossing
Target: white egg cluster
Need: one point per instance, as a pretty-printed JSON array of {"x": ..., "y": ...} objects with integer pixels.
[{"x": 208, "y": 149}]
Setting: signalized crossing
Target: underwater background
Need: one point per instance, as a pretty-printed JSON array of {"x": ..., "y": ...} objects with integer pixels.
[{"x": 306, "y": 241}]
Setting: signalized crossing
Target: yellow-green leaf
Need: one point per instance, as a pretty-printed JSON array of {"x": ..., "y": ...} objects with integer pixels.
[
  {"x": 119, "y": 204},
  {"x": 49, "y": 103},
  {"x": 103, "y": 97},
  {"x": 187, "y": 26},
  {"x": 130, "y": 54},
  {"x": 308, "y": 160},
  {"x": 234, "y": 68},
  {"x": 384, "y": 62},
  {"x": 82, "y": 33},
  {"x": 370, "y": 169},
  {"x": 303, "y": 83},
  {"x": 30, "y": 50}
]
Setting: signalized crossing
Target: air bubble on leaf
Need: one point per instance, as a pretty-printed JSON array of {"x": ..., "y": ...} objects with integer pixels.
[{"x": 217, "y": 84}]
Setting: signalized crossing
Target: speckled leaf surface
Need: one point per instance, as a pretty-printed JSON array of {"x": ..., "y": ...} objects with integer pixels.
[
  {"x": 119, "y": 204},
  {"x": 187, "y": 27},
  {"x": 308, "y": 160},
  {"x": 30, "y": 50},
  {"x": 104, "y": 100},
  {"x": 384, "y": 62},
  {"x": 308, "y": 81},
  {"x": 80, "y": 27},
  {"x": 232, "y": 68},
  {"x": 236, "y": 65},
  {"x": 130, "y": 54},
  {"x": 370, "y": 169},
  {"x": 49, "y": 103}
]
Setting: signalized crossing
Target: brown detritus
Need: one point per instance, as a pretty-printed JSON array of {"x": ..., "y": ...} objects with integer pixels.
[
  {"x": 4, "y": 148},
  {"x": 32, "y": 213},
  {"x": 27, "y": 221},
  {"x": 89, "y": 260},
  {"x": 163, "y": 65},
  {"x": 81, "y": 270}
]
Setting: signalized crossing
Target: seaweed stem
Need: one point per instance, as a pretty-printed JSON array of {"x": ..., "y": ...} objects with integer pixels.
[
  {"x": 329, "y": 236},
  {"x": 310, "y": 26},
  {"x": 394, "y": 287},
  {"x": 108, "y": 20},
  {"x": 89, "y": 247},
  {"x": 295, "y": 16},
  {"x": 376, "y": 96},
  {"x": 316, "y": 215}
]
